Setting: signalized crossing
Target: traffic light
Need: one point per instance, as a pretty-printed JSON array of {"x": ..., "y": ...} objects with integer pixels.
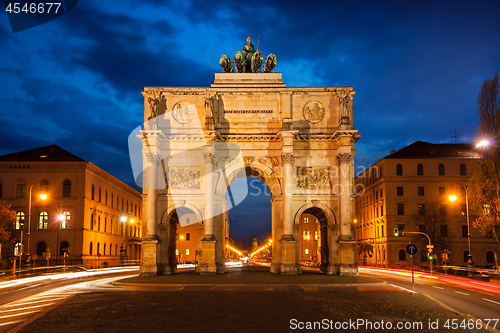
[
  {"x": 396, "y": 232},
  {"x": 429, "y": 254}
]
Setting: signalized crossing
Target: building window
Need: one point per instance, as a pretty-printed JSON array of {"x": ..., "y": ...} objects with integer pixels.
[
  {"x": 105, "y": 223},
  {"x": 381, "y": 194},
  {"x": 112, "y": 200},
  {"x": 465, "y": 231},
  {"x": 17, "y": 249},
  {"x": 90, "y": 248},
  {"x": 21, "y": 191},
  {"x": 43, "y": 219},
  {"x": 65, "y": 221},
  {"x": 463, "y": 170},
  {"x": 376, "y": 195},
  {"x": 66, "y": 189},
  {"x": 306, "y": 220},
  {"x": 135, "y": 210},
  {"x": 444, "y": 230},
  {"x": 106, "y": 199},
  {"x": 188, "y": 236},
  {"x": 117, "y": 202},
  {"x": 441, "y": 169},
  {"x": 399, "y": 170},
  {"x": 122, "y": 204},
  {"x": 401, "y": 209},
  {"x": 466, "y": 256},
  {"x": 98, "y": 248},
  {"x": 420, "y": 191},
  {"x": 187, "y": 252},
  {"x": 91, "y": 221},
  {"x": 110, "y": 228},
  {"x": 63, "y": 247},
  {"x": 104, "y": 249},
  {"x": 116, "y": 249},
  {"x": 381, "y": 210},
  {"x": 421, "y": 209},
  {"x": 188, "y": 220},
  {"x": 92, "y": 192},
  {"x": 20, "y": 220},
  {"x": 402, "y": 255},
  {"x": 1, "y": 189},
  {"x": 176, "y": 237},
  {"x": 420, "y": 170},
  {"x": 98, "y": 227},
  {"x": 41, "y": 247},
  {"x": 401, "y": 227},
  {"x": 399, "y": 190},
  {"x": 306, "y": 251},
  {"x": 442, "y": 190},
  {"x": 442, "y": 209},
  {"x": 490, "y": 257},
  {"x": 422, "y": 228},
  {"x": 99, "y": 194}
]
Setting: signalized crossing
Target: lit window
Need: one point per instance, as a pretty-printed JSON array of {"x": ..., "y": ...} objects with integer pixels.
[
  {"x": 65, "y": 220},
  {"x": 187, "y": 252},
  {"x": 306, "y": 220},
  {"x": 176, "y": 252},
  {"x": 17, "y": 249},
  {"x": 20, "y": 220},
  {"x": 43, "y": 220},
  {"x": 307, "y": 251}
]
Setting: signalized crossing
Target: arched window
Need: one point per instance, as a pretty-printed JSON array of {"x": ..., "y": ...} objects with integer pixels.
[
  {"x": 188, "y": 220},
  {"x": 116, "y": 249},
  {"x": 112, "y": 197},
  {"x": 98, "y": 226},
  {"x": 91, "y": 221},
  {"x": 110, "y": 247},
  {"x": 92, "y": 193},
  {"x": 490, "y": 257},
  {"x": 420, "y": 170},
  {"x": 402, "y": 255},
  {"x": 110, "y": 227},
  {"x": 188, "y": 236},
  {"x": 441, "y": 169},
  {"x": 98, "y": 248},
  {"x": 463, "y": 170},
  {"x": 63, "y": 248},
  {"x": 122, "y": 204},
  {"x": 106, "y": 198},
  {"x": 41, "y": 247},
  {"x": 43, "y": 220},
  {"x": 99, "y": 194},
  {"x": 66, "y": 189},
  {"x": 105, "y": 224},
  {"x": 20, "y": 220},
  {"x": 21, "y": 189},
  {"x": 65, "y": 220},
  {"x": 466, "y": 256},
  {"x": 399, "y": 170},
  {"x": 90, "y": 248},
  {"x": 17, "y": 249},
  {"x": 104, "y": 249}
]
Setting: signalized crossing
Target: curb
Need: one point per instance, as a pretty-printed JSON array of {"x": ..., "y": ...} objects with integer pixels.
[{"x": 371, "y": 284}]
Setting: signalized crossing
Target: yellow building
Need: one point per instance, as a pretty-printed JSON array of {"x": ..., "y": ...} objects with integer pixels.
[
  {"x": 310, "y": 238},
  {"x": 88, "y": 214},
  {"x": 409, "y": 190},
  {"x": 186, "y": 239}
]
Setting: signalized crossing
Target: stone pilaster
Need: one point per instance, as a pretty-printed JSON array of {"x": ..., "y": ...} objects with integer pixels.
[
  {"x": 208, "y": 264},
  {"x": 347, "y": 244}
]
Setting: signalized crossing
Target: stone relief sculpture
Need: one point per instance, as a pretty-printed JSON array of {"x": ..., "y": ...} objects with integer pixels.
[
  {"x": 226, "y": 64},
  {"x": 180, "y": 178},
  {"x": 153, "y": 107},
  {"x": 248, "y": 61},
  {"x": 314, "y": 112},
  {"x": 182, "y": 113},
  {"x": 270, "y": 63},
  {"x": 313, "y": 177}
]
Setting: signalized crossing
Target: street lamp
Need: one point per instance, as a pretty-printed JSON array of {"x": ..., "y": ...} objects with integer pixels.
[
  {"x": 470, "y": 262},
  {"x": 124, "y": 219},
  {"x": 43, "y": 196}
]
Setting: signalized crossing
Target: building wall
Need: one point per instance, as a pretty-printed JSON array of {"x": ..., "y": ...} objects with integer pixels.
[
  {"x": 309, "y": 231},
  {"x": 377, "y": 212},
  {"x": 187, "y": 249},
  {"x": 80, "y": 207}
]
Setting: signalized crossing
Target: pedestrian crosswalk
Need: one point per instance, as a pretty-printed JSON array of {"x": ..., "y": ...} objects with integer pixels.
[{"x": 15, "y": 315}]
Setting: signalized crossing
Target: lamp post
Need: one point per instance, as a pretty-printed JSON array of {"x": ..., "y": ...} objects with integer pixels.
[
  {"x": 43, "y": 196},
  {"x": 124, "y": 219},
  {"x": 470, "y": 262}
]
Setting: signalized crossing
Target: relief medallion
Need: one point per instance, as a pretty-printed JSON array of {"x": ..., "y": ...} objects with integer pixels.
[{"x": 314, "y": 112}]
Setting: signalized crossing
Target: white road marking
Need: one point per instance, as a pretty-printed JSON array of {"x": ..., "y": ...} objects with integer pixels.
[
  {"x": 408, "y": 290},
  {"x": 437, "y": 287},
  {"x": 489, "y": 300},
  {"x": 458, "y": 292}
]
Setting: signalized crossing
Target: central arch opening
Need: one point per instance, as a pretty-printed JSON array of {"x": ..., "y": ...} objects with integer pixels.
[
  {"x": 250, "y": 222},
  {"x": 313, "y": 239}
]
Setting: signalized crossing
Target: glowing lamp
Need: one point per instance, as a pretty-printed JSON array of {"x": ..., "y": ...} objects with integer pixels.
[
  {"x": 43, "y": 196},
  {"x": 123, "y": 219},
  {"x": 452, "y": 197}
]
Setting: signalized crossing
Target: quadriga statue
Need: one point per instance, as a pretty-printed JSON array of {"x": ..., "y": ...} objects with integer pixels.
[{"x": 248, "y": 61}]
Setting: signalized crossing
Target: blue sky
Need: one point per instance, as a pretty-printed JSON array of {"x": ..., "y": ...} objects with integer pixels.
[{"x": 416, "y": 66}]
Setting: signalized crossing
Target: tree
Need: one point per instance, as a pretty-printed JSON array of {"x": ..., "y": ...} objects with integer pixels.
[
  {"x": 430, "y": 222},
  {"x": 484, "y": 184},
  {"x": 7, "y": 222}
]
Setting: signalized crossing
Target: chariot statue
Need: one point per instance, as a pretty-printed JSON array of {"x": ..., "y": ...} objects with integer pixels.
[{"x": 248, "y": 61}]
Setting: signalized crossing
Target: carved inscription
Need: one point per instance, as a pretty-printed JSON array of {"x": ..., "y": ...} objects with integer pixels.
[
  {"x": 314, "y": 177},
  {"x": 181, "y": 178},
  {"x": 248, "y": 111}
]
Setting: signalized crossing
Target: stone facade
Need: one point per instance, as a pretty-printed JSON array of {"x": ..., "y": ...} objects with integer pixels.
[{"x": 299, "y": 141}]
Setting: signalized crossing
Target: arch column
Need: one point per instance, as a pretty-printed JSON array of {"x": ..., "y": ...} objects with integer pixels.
[
  {"x": 289, "y": 259},
  {"x": 347, "y": 244},
  {"x": 207, "y": 260}
]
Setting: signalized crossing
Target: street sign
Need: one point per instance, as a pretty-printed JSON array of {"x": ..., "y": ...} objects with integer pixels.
[{"x": 411, "y": 249}]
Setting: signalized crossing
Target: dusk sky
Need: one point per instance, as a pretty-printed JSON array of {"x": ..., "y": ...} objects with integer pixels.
[{"x": 416, "y": 67}]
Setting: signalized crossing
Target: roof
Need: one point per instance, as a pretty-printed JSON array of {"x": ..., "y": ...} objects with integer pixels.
[
  {"x": 50, "y": 153},
  {"x": 421, "y": 149}
]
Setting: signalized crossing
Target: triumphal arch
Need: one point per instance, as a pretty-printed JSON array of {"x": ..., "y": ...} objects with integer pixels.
[{"x": 298, "y": 140}]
